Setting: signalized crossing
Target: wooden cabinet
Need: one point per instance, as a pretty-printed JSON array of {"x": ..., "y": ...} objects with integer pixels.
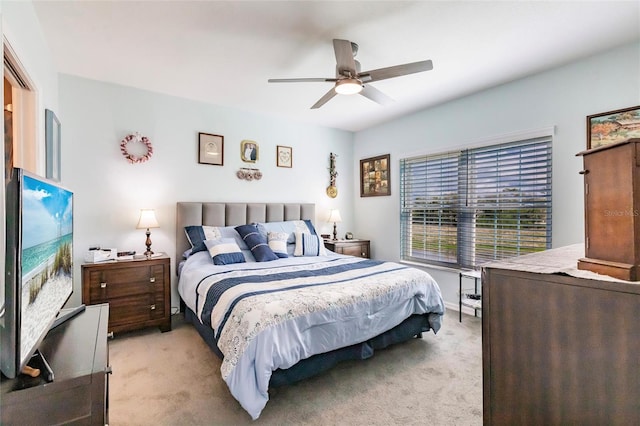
[
  {"x": 78, "y": 354},
  {"x": 612, "y": 210},
  {"x": 358, "y": 248},
  {"x": 137, "y": 291},
  {"x": 557, "y": 349}
]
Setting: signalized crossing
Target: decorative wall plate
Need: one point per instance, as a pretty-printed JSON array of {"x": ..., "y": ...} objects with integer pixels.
[{"x": 332, "y": 191}]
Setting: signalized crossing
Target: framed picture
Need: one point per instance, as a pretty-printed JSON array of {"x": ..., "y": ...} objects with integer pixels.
[
  {"x": 284, "y": 156},
  {"x": 249, "y": 151},
  {"x": 211, "y": 149},
  {"x": 375, "y": 176},
  {"x": 52, "y": 142},
  {"x": 613, "y": 126}
]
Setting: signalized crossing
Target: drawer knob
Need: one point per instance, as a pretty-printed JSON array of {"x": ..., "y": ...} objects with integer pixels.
[
  {"x": 103, "y": 285},
  {"x": 152, "y": 279},
  {"x": 110, "y": 335},
  {"x": 153, "y": 307}
]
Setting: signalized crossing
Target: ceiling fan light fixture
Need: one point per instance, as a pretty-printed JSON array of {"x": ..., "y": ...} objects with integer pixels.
[{"x": 348, "y": 86}]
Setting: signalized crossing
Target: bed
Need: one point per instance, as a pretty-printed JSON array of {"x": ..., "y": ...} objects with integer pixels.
[{"x": 286, "y": 318}]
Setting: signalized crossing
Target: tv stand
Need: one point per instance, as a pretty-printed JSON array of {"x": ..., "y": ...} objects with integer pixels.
[
  {"x": 66, "y": 315},
  {"x": 77, "y": 351}
]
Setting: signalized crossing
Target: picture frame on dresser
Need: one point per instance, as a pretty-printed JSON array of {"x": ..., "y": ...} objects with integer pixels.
[
  {"x": 611, "y": 127},
  {"x": 210, "y": 149},
  {"x": 375, "y": 176}
]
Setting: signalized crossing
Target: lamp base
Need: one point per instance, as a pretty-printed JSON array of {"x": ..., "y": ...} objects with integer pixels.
[
  {"x": 148, "y": 253},
  {"x": 335, "y": 232}
]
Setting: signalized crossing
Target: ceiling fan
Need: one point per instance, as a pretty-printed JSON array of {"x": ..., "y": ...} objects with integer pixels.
[{"x": 349, "y": 80}]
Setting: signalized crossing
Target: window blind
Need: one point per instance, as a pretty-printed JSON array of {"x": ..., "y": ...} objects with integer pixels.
[{"x": 466, "y": 207}]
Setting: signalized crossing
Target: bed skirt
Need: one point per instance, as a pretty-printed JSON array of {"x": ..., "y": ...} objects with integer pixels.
[{"x": 415, "y": 325}]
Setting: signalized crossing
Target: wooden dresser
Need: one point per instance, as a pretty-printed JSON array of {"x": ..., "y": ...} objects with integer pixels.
[
  {"x": 137, "y": 291},
  {"x": 559, "y": 349},
  {"x": 612, "y": 210},
  {"x": 358, "y": 248},
  {"x": 78, "y": 354}
]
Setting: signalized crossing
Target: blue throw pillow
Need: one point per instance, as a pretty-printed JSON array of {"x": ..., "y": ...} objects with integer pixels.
[
  {"x": 224, "y": 251},
  {"x": 256, "y": 242}
]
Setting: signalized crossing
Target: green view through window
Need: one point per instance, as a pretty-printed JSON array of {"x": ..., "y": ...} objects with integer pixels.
[{"x": 466, "y": 207}]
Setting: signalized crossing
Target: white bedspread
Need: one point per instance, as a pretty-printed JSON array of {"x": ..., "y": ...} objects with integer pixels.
[{"x": 271, "y": 315}]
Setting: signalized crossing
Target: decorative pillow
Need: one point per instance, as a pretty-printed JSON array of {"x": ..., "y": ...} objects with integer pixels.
[
  {"x": 197, "y": 234},
  {"x": 224, "y": 251},
  {"x": 309, "y": 245},
  {"x": 256, "y": 242},
  {"x": 278, "y": 243},
  {"x": 288, "y": 226}
]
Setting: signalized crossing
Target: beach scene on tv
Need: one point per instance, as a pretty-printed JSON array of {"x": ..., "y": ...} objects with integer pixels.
[{"x": 47, "y": 243}]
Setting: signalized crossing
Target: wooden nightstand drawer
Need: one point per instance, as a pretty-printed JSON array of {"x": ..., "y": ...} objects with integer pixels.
[
  {"x": 106, "y": 284},
  {"x": 137, "y": 291},
  {"x": 136, "y": 309},
  {"x": 358, "y": 248}
]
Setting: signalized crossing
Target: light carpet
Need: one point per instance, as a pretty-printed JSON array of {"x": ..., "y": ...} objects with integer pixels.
[{"x": 174, "y": 378}]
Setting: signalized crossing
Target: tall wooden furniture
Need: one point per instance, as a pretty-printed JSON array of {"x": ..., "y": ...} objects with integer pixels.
[
  {"x": 79, "y": 357},
  {"x": 612, "y": 210},
  {"x": 138, "y": 292},
  {"x": 557, "y": 349}
]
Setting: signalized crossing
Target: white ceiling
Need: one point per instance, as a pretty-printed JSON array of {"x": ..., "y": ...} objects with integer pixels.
[{"x": 223, "y": 52}]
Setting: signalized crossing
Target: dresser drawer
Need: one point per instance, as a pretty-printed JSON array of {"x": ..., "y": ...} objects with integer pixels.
[
  {"x": 135, "y": 309},
  {"x": 359, "y": 250},
  {"x": 107, "y": 284}
]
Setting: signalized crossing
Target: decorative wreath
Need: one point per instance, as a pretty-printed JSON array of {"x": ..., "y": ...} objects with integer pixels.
[{"x": 135, "y": 158}]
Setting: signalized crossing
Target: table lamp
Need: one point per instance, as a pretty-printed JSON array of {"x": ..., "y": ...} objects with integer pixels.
[
  {"x": 148, "y": 220},
  {"x": 334, "y": 217}
]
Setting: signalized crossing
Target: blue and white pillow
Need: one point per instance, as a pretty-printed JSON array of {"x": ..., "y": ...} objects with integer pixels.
[
  {"x": 278, "y": 243},
  {"x": 288, "y": 226},
  {"x": 256, "y": 242},
  {"x": 197, "y": 234},
  {"x": 309, "y": 245},
  {"x": 224, "y": 251}
]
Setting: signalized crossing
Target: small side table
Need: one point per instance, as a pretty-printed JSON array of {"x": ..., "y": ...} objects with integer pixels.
[{"x": 471, "y": 300}]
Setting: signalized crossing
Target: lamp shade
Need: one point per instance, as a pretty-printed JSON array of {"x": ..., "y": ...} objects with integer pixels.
[
  {"x": 334, "y": 216},
  {"x": 147, "y": 219}
]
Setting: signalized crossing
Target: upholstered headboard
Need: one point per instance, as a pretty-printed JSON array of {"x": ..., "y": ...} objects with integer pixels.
[{"x": 228, "y": 214}]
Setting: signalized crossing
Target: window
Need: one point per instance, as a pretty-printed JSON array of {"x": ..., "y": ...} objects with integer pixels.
[{"x": 466, "y": 207}]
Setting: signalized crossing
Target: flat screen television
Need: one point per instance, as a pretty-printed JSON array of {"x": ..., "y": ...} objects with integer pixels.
[{"x": 38, "y": 268}]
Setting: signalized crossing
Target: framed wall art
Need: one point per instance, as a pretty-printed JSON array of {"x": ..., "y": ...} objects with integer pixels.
[
  {"x": 52, "y": 142},
  {"x": 284, "y": 156},
  {"x": 249, "y": 151},
  {"x": 375, "y": 176},
  {"x": 211, "y": 149},
  {"x": 613, "y": 126}
]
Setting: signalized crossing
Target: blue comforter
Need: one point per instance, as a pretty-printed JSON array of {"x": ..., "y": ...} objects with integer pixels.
[{"x": 271, "y": 315}]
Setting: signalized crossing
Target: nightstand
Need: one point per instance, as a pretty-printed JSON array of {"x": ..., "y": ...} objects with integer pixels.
[
  {"x": 359, "y": 248},
  {"x": 137, "y": 291}
]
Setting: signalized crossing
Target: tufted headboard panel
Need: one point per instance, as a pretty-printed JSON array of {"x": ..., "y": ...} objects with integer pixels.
[{"x": 229, "y": 214}]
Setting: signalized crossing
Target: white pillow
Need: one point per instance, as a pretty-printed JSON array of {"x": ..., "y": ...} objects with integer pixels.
[
  {"x": 309, "y": 245},
  {"x": 278, "y": 243}
]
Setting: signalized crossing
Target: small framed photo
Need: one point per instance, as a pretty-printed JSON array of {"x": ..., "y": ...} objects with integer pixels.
[
  {"x": 52, "y": 142},
  {"x": 284, "y": 156},
  {"x": 249, "y": 151},
  {"x": 614, "y": 126},
  {"x": 211, "y": 149},
  {"x": 375, "y": 176}
]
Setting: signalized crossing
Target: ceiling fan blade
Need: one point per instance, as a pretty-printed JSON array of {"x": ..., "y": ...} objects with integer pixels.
[
  {"x": 302, "y": 80},
  {"x": 323, "y": 100},
  {"x": 396, "y": 71},
  {"x": 375, "y": 95},
  {"x": 344, "y": 57}
]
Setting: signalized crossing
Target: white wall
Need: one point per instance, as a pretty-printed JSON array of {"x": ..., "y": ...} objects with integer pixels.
[
  {"x": 562, "y": 98},
  {"x": 109, "y": 192}
]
